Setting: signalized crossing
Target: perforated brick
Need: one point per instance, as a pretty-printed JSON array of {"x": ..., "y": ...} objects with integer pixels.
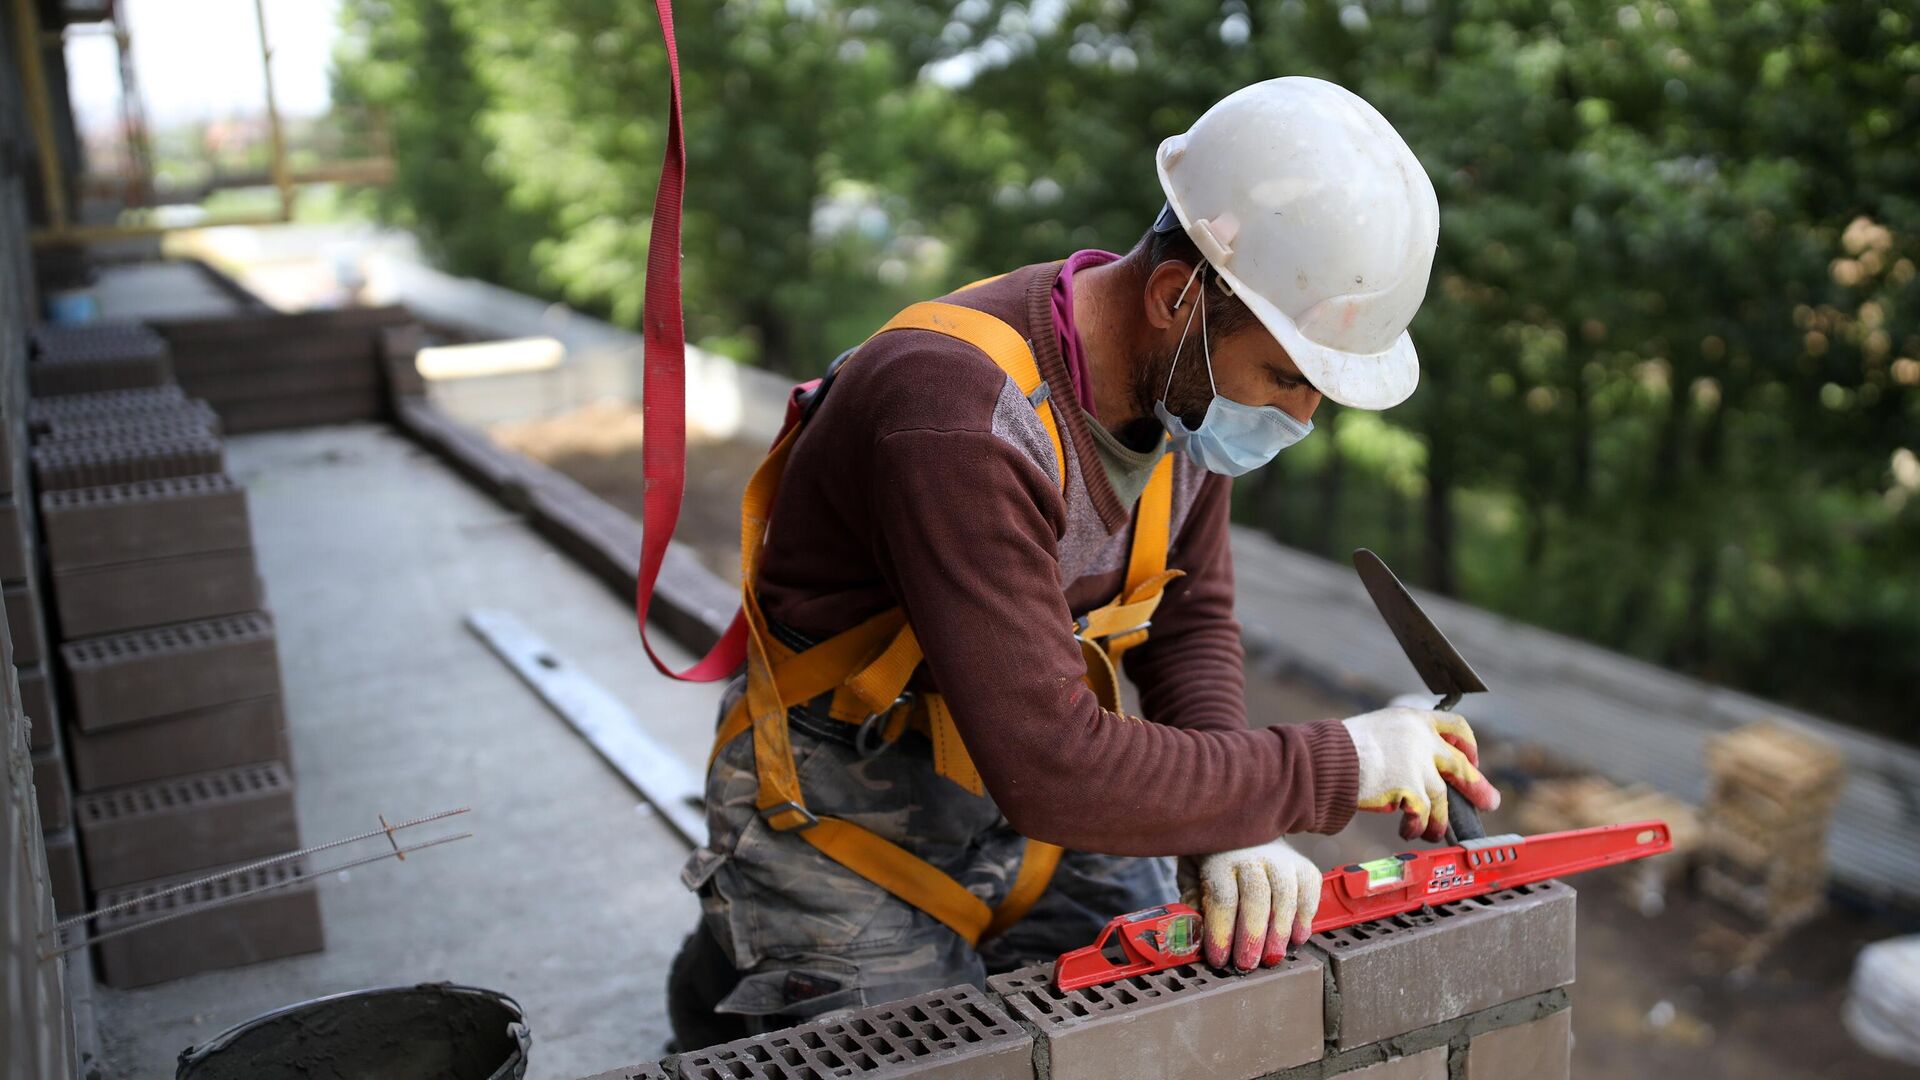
[
  {"x": 267, "y": 913},
  {"x": 154, "y": 592},
  {"x": 218, "y": 737},
  {"x": 126, "y": 678},
  {"x": 51, "y": 791},
  {"x": 13, "y": 540},
  {"x": 95, "y": 357},
  {"x": 63, "y": 873},
  {"x": 1185, "y": 1021},
  {"x": 175, "y": 826},
  {"x": 73, "y": 375},
  {"x": 1539, "y": 1050},
  {"x": 146, "y": 519},
  {"x": 950, "y": 1034},
  {"x": 44, "y": 413},
  {"x": 180, "y": 418},
  {"x": 1393, "y": 975},
  {"x": 100, "y": 339},
  {"x": 36, "y": 700},
  {"x": 26, "y": 625},
  {"x": 95, "y": 463}
]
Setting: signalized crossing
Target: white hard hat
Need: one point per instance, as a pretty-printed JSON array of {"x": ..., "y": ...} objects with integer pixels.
[{"x": 1316, "y": 214}]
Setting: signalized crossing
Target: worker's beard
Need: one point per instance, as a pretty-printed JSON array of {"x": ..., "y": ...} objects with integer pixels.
[{"x": 1188, "y": 397}]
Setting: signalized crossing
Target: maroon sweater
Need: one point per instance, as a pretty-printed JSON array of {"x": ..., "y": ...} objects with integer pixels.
[{"x": 926, "y": 481}]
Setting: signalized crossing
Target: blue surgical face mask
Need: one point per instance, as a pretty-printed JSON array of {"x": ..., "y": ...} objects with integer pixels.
[{"x": 1233, "y": 438}]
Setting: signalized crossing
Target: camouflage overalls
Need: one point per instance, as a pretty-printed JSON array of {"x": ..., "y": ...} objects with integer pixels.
[{"x": 810, "y": 936}]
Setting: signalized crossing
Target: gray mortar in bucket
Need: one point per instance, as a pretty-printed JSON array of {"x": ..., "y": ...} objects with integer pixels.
[{"x": 433, "y": 1031}]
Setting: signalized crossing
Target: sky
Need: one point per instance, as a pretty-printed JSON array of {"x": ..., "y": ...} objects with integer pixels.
[{"x": 200, "y": 59}]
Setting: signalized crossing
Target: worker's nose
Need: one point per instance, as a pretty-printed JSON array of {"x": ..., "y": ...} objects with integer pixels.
[{"x": 1299, "y": 404}]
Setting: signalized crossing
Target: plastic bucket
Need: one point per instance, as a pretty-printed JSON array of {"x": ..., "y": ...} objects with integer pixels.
[{"x": 433, "y": 1031}]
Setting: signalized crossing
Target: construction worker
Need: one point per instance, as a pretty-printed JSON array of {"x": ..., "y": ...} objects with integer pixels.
[{"x": 926, "y": 774}]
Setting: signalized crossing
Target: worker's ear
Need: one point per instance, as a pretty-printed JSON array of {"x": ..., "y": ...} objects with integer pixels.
[{"x": 1163, "y": 294}]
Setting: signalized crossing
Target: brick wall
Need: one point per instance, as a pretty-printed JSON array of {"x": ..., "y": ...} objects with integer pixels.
[
  {"x": 37, "y": 1032},
  {"x": 1473, "y": 990}
]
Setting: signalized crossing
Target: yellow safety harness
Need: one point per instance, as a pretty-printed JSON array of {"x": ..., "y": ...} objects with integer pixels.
[{"x": 867, "y": 668}]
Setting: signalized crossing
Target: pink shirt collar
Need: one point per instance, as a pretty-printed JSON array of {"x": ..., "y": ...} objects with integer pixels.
[{"x": 1063, "y": 328}]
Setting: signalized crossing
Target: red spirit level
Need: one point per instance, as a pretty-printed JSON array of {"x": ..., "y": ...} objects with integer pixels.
[{"x": 1169, "y": 936}]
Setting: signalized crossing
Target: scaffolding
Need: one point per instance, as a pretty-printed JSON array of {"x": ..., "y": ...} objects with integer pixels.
[{"x": 135, "y": 188}]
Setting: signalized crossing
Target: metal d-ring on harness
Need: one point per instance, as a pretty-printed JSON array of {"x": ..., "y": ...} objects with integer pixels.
[{"x": 881, "y": 726}]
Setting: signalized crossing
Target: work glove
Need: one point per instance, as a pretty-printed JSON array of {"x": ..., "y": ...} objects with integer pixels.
[
  {"x": 1408, "y": 757},
  {"x": 1255, "y": 903}
]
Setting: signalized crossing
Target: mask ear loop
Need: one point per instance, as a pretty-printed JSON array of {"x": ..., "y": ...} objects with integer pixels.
[{"x": 1182, "y": 346}]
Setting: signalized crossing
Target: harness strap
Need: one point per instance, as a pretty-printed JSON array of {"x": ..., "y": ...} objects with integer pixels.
[
  {"x": 867, "y": 668},
  {"x": 1002, "y": 344},
  {"x": 903, "y": 874}
]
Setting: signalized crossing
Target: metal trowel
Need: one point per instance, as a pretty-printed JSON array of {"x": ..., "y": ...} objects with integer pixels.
[{"x": 1436, "y": 661}]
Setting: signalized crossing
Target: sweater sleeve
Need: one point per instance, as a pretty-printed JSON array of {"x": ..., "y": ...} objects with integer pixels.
[
  {"x": 970, "y": 553},
  {"x": 1191, "y": 672}
]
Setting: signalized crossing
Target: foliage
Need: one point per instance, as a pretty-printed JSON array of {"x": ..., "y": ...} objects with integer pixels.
[{"x": 1671, "y": 389}]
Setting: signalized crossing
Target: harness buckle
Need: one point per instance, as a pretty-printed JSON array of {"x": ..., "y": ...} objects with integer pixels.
[
  {"x": 772, "y": 812},
  {"x": 870, "y": 740},
  {"x": 1080, "y": 632}
]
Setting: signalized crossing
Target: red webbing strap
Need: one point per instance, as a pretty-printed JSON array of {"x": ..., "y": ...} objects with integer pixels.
[{"x": 664, "y": 390}]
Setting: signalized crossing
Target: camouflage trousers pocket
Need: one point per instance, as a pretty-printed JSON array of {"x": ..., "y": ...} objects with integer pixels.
[{"x": 797, "y": 987}]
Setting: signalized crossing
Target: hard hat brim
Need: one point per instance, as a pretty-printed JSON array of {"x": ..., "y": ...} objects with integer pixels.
[{"x": 1371, "y": 381}]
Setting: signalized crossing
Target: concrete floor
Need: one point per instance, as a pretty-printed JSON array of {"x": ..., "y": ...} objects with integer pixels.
[{"x": 567, "y": 898}]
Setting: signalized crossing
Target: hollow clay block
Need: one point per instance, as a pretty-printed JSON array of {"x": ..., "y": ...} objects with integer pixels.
[
  {"x": 45, "y": 414},
  {"x": 1185, "y": 1021},
  {"x": 174, "y": 826},
  {"x": 95, "y": 463},
  {"x": 949, "y": 1034},
  {"x": 262, "y": 917},
  {"x": 168, "y": 670},
  {"x": 216, "y": 737},
  {"x": 188, "y": 419},
  {"x": 1540, "y": 1050},
  {"x": 146, "y": 519},
  {"x": 154, "y": 592},
  {"x": 1394, "y": 975}
]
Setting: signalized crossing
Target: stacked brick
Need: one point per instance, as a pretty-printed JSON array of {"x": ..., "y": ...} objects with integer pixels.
[
  {"x": 105, "y": 355},
  {"x": 174, "y": 735},
  {"x": 30, "y": 664},
  {"x": 1764, "y": 862},
  {"x": 38, "y": 1036},
  {"x": 1472, "y": 990}
]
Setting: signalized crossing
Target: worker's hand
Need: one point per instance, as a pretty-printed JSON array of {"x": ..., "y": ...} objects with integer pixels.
[
  {"x": 1255, "y": 903},
  {"x": 1408, "y": 757}
]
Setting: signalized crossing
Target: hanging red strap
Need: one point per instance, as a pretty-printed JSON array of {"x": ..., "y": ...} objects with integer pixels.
[{"x": 664, "y": 391}]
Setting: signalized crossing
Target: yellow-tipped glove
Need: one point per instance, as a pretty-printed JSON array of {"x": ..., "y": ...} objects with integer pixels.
[
  {"x": 1408, "y": 758},
  {"x": 1255, "y": 902}
]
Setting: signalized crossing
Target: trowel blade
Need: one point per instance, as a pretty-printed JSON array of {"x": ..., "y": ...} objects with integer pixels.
[{"x": 1442, "y": 668}]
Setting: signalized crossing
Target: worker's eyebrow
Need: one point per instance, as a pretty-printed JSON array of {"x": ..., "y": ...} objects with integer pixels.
[{"x": 1286, "y": 380}]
